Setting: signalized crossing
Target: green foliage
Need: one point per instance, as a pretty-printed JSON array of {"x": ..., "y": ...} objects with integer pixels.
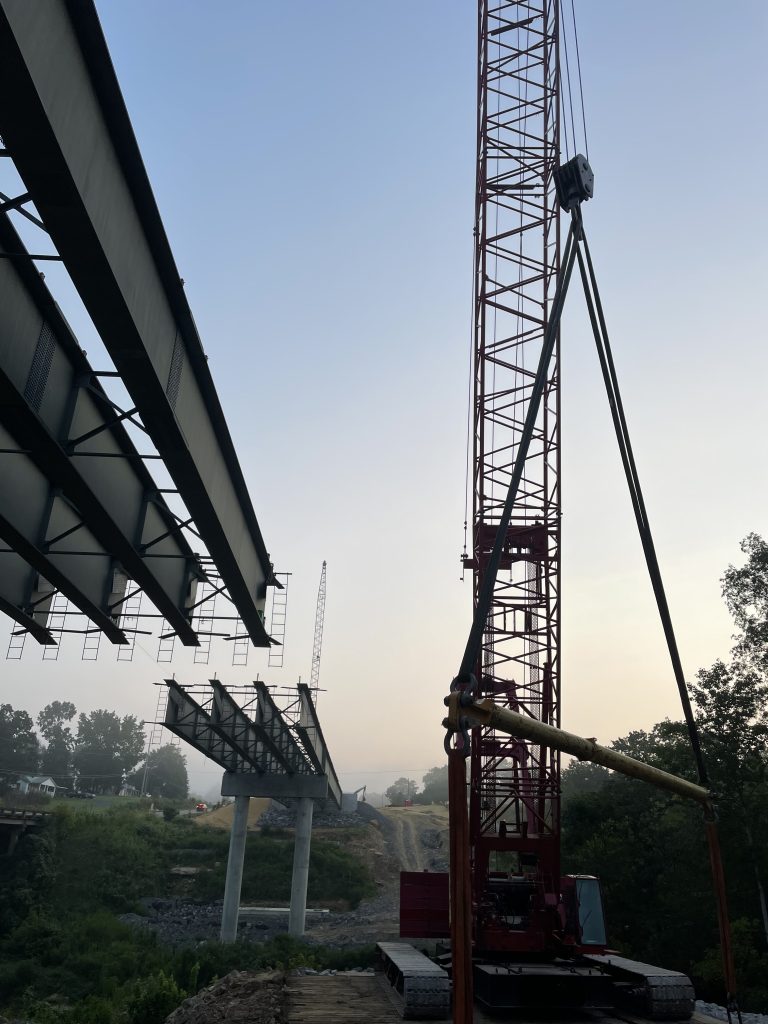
[
  {"x": 163, "y": 774},
  {"x": 745, "y": 590},
  {"x": 401, "y": 790},
  {"x": 198, "y": 968},
  {"x": 57, "y": 755},
  {"x": 435, "y": 786},
  {"x": 108, "y": 748},
  {"x": 153, "y": 998},
  {"x": 107, "y": 860},
  {"x": 582, "y": 777},
  {"x": 752, "y": 967},
  {"x": 19, "y": 752},
  {"x": 334, "y": 875}
]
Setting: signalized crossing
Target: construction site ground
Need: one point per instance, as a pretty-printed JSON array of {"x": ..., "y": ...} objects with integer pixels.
[
  {"x": 396, "y": 839},
  {"x": 345, "y": 998},
  {"x": 368, "y": 999}
]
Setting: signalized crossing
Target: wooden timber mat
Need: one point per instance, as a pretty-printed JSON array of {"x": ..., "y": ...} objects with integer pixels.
[{"x": 342, "y": 998}]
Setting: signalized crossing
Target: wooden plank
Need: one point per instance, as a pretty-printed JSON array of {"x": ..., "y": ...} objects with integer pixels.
[{"x": 341, "y": 998}]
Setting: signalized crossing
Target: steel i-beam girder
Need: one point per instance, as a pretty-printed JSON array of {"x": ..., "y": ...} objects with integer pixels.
[
  {"x": 78, "y": 502},
  {"x": 64, "y": 122}
]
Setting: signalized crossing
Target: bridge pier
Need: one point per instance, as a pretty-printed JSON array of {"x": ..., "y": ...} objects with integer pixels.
[
  {"x": 304, "y": 789},
  {"x": 301, "y": 851},
  {"x": 231, "y": 910}
]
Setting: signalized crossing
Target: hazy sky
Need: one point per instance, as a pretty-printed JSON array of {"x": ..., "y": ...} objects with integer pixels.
[{"x": 313, "y": 163}]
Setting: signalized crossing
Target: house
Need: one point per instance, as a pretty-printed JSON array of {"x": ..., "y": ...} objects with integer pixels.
[{"x": 37, "y": 784}]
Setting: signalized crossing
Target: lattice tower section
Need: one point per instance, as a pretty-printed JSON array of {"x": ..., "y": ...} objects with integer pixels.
[{"x": 514, "y": 785}]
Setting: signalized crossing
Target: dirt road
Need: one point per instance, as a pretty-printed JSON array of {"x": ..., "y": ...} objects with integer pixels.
[{"x": 417, "y": 833}]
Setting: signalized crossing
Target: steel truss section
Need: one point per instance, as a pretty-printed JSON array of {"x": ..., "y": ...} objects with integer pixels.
[
  {"x": 256, "y": 744},
  {"x": 190, "y": 721},
  {"x": 64, "y": 123},
  {"x": 311, "y": 735},
  {"x": 514, "y": 795},
  {"x": 252, "y": 743},
  {"x": 78, "y": 502},
  {"x": 282, "y": 742}
]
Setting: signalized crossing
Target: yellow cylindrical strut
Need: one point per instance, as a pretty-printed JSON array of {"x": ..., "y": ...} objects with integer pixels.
[{"x": 487, "y": 713}]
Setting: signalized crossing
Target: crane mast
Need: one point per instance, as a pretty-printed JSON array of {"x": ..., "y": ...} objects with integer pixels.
[
  {"x": 314, "y": 680},
  {"x": 514, "y": 810}
]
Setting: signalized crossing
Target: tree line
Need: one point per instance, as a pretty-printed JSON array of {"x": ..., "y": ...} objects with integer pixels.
[
  {"x": 96, "y": 752},
  {"x": 649, "y": 849}
]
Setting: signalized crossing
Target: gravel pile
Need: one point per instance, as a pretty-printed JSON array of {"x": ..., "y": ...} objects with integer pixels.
[
  {"x": 285, "y": 817},
  {"x": 300, "y": 972},
  {"x": 720, "y": 1013},
  {"x": 180, "y": 922},
  {"x": 432, "y": 839},
  {"x": 242, "y": 997}
]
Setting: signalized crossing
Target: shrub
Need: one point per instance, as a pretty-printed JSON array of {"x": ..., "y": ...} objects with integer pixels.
[{"x": 153, "y": 998}]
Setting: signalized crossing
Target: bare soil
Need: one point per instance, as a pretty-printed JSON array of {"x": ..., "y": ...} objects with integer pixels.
[{"x": 222, "y": 816}]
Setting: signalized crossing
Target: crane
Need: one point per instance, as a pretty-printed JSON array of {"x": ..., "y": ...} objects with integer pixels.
[
  {"x": 522, "y": 935},
  {"x": 314, "y": 680}
]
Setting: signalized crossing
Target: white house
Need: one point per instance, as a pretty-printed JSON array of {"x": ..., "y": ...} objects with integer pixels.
[{"x": 37, "y": 784}]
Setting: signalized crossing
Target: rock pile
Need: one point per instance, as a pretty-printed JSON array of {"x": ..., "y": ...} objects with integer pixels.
[
  {"x": 182, "y": 922},
  {"x": 278, "y": 816},
  {"x": 242, "y": 997}
]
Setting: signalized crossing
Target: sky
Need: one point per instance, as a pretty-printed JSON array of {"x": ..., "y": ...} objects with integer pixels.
[{"x": 314, "y": 167}]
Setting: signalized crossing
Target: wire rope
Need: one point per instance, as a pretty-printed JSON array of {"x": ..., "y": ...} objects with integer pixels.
[
  {"x": 581, "y": 87},
  {"x": 570, "y": 93}
]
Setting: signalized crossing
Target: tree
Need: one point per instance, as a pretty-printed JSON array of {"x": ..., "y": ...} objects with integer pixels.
[
  {"x": 57, "y": 756},
  {"x": 435, "y": 786},
  {"x": 19, "y": 750},
  {"x": 107, "y": 749},
  {"x": 732, "y": 711},
  {"x": 732, "y": 714},
  {"x": 745, "y": 590},
  {"x": 582, "y": 777},
  {"x": 400, "y": 791},
  {"x": 164, "y": 773}
]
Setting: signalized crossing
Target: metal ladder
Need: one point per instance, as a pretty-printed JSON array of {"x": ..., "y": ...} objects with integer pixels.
[
  {"x": 57, "y": 618},
  {"x": 277, "y": 620},
  {"x": 166, "y": 644},
  {"x": 16, "y": 644},
  {"x": 204, "y": 628},
  {"x": 129, "y": 620},
  {"x": 240, "y": 645},
  {"x": 91, "y": 644}
]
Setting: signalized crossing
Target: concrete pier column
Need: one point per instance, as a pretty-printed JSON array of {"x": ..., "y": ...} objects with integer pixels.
[
  {"x": 297, "y": 916},
  {"x": 231, "y": 909}
]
